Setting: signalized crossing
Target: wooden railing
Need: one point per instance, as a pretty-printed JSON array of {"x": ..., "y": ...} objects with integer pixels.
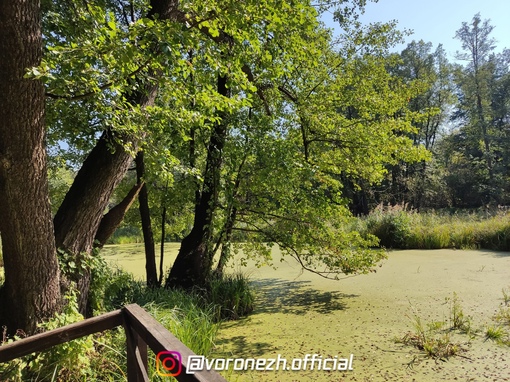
[{"x": 142, "y": 331}]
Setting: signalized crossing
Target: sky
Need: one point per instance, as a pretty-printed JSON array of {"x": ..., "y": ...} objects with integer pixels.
[{"x": 437, "y": 21}]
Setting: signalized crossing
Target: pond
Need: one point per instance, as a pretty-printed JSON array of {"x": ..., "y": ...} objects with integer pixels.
[{"x": 299, "y": 313}]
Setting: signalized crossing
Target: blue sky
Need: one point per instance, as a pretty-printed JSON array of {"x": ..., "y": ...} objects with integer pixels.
[{"x": 438, "y": 20}]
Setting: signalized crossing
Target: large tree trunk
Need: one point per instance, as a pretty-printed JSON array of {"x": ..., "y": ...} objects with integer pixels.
[
  {"x": 78, "y": 218},
  {"x": 31, "y": 292},
  {"x": 145, "y": 215},
  {"x": 192, "y": 266}
]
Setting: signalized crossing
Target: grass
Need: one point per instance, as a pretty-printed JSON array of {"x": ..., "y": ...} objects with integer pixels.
[
  {"x": 232, "y": 295},
  {"x": 506, "y": 296},
  {"x": 458, "y": 320},
  {"x": 495, "y": 333},
  {"x": 432, "y": 338},
  {"x": 503, "y": 316},
  {"x": 499, "y": 333},
  {"x": 102, "y": 357},
  {"x": 397, "y": 227},
  {"x": 435, "y": 338}
]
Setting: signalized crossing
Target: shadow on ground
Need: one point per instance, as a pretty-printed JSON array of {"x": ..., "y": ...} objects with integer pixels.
[
  {"x": 241, "y": 347},
  {"x": 495, "y": 253},
  {"x": 279, "y": 296},
  {"x": 295, "y": 297}
]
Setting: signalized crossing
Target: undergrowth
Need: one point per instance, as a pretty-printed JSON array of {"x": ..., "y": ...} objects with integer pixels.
[
  {"x": 193, "y": 317},
  {"x": 435, "y": 338}
]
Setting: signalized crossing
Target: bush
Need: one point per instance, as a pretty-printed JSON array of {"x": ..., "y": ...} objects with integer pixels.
[
  {"x": 126, "y": 234},
  {"x": 187, "y": 315},
  {"x": 191, "y": 317}
]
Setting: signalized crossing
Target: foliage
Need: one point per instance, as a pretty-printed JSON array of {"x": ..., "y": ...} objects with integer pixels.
[
  {"x": 68, "y": 361},
  {"x": 497, "y": 334},
  {"x": 392, "y": 226},
  {"x": 73, "y": 266},
  {"x": 102, "y": 357},
  {"x": 187, "y": 315},
  {"x": 458, "y": 320},
  {"x": 60, "y": 179},
  {"x": 435, "y": 338},
  {"x": 503, "y": 316},
  {"x": 462, "y": 116},
  {"x": 477, "y": 159},
  {"x": 330, "y": 110}
]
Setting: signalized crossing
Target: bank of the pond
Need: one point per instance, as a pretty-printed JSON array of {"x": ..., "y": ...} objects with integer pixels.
[{"x": 301, "y": 313}]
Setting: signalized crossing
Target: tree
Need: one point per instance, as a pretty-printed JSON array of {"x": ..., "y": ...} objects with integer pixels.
[
  {"x": 148, "y": 237},
  {"x": 480, "y": 116},
  {"x": 31, "y": 292},
  {"x": 132, "y": 89},
  {"x": 412, "y": 183},
  {"x": 194, "y": 76},
  {"x": 478, "y": 46},
  {"x": 283, "y": 156}
]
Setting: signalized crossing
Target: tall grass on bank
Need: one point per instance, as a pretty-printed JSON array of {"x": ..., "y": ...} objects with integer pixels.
[
  {"x": 232, "y": 296},
  {"x": 397, "y": 227}
]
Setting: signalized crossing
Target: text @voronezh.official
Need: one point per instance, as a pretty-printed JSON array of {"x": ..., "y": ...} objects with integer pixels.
[{"x": 169, "y": 363}]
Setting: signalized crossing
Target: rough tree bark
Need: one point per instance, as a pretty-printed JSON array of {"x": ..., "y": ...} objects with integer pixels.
[
  {"x": 111, "y": 220},
  {"x": 145, "y": 215},
  {"x": 192, "y": 267},
  {"x": 31, "y": 292},
  {"x": 78, "y": 217}
]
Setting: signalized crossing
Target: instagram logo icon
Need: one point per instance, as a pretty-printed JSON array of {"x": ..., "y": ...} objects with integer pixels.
[{"x": 168, "y": 363}]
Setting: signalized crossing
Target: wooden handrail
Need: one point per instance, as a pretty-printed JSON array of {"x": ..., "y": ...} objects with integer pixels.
[
  {"x": 46, "y": 340},
  {"x": 142, "y": 331}
]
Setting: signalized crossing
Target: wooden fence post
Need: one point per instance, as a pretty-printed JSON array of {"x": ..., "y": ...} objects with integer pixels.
[{"x": 136, "y": 356}]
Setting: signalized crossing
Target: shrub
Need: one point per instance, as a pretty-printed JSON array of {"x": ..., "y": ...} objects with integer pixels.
[
  {"x": 187, "y": 315},
  {"x": 191, "y": 317}
]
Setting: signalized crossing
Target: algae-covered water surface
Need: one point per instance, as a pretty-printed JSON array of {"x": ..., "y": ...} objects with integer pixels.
[{"x": 357, "y": 323}]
